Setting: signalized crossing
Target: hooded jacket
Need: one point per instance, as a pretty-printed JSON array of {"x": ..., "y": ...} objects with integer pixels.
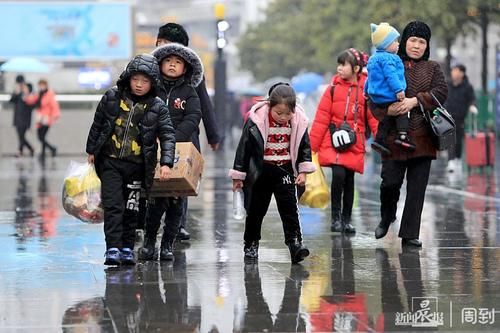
[
  {"x": 155, "y": 122},
  {"x": 332, "y": 111},
  {"x": 180, "y": 95},
  {"x": 249, "y": 159}
]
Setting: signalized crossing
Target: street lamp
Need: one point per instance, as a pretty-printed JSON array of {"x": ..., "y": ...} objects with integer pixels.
[{"x": 220, "y": 69}]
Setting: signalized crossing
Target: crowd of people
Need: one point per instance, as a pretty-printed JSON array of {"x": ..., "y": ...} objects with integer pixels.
[{"x": 161, "y": 98}]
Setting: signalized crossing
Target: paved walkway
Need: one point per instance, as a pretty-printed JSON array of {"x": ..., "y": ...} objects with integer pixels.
[{"x": 52, "y": 276}]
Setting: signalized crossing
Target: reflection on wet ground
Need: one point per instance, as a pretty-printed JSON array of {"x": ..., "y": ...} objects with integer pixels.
[{"x": 52, "y": 278}]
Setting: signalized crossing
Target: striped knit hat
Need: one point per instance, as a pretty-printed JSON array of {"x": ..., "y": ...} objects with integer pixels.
[{"x": 383, "y": 35}]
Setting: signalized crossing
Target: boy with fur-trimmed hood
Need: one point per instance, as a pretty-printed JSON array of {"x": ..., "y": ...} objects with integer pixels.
[
  {"x": 122, "y": 143},
  {"x": 182, "y": 71}
]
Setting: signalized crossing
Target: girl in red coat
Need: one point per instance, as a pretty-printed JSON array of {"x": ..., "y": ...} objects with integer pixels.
[{"x": 343, "y": 101}]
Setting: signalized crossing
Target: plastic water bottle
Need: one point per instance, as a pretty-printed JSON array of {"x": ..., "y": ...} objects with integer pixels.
[{"x": 238, "y": 205}]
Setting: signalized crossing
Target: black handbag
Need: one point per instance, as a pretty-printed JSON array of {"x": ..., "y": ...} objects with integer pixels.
[
  {"x": 343, "y": 136},
  {"x": 442, "y": 125}
]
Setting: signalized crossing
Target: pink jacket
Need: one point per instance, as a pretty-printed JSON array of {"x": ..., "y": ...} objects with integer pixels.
[
  {"x": 259, "y": 114},
  {"x": 48, "y": 112}
]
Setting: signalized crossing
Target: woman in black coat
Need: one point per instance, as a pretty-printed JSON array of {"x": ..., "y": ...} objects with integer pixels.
[{"x": 22, "y": 115}]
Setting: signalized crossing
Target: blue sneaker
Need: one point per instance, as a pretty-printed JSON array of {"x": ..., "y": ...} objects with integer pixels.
[
  {"x": 127, "y": 256},
  {"x": 112, "y": 257}
]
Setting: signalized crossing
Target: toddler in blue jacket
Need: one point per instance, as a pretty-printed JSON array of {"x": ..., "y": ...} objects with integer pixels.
[{"x": 386, "y": 84}]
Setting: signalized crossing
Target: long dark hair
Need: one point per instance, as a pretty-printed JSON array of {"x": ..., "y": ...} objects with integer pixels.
[{"x": 282, "y": 93}]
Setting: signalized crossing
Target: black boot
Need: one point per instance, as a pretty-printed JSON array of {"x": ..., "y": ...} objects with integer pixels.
[
  {"x": 411, "y": 242},
  {"x": 251, "y": 250},
  {"x": 348, "y": 227},
  {"x": 147, "y": 251},
  {"x": 336, "y": 222},
  {"x": 382, "y": 228},
  {"x": 297, "y": 251},
  {"x": 381, "y": 148},
  {"x": 183, "y": 234},
  {"x": 167, "y": 249}
]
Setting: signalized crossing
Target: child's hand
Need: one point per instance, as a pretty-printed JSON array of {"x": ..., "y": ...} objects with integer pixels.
[
  {"x": 90, "y": 158},
  {"x": 215, "y": 146},
  {"x": 237, "y": 184},
  {"x": 400, "y": 95},
  {"x": 164, "y": 173},
  {"x": 301, "y": 179}
]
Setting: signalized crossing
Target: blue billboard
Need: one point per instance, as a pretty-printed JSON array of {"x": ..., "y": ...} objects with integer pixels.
[{"x": 66, "y": 30}]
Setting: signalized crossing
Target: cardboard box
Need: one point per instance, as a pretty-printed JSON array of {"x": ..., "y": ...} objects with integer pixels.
[{"x": 186, "y": 174}]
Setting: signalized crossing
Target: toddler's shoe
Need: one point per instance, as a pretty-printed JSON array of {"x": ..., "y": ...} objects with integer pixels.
[
  {"x": 127, "y": 256},
  {"x": 112, "y": 256},
  {"x": 380, "y": 148},
  {"x": 251, "y": 250},
  {"x": 405, "y": 142}
]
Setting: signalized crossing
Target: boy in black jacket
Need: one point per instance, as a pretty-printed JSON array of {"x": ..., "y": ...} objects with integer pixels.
[
  {"x": 182, "y": 71},
  {"x": 175, "y": 33},
  {"x": 122, "y": 143}
]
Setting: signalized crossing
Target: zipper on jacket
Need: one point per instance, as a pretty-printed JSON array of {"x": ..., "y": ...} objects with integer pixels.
[
  {"x": 124, "y": 141},
  {"x": 345, "y": 113},
  {"x": 168, "y": 96}
]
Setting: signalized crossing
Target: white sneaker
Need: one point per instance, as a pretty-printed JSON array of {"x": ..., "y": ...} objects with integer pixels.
[
  {"x": 451, "y": 166},
  {"x": 458, "y": 165}
]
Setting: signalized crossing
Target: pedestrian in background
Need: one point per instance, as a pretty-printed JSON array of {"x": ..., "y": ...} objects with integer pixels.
[
  {"x": 343, "y": 101},
  {"x": 122, "y": 143},
  {"x": 273, "y": 157},
  {"x": 424, "y": 78},
  {"x": 461, "y": 100},
  {"x": 22, "y": 114},
  {"x": 47, "y": 113}
]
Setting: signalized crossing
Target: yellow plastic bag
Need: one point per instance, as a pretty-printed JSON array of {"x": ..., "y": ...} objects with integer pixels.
[
  {"x": 317, "y": 194},
  {"x": 81, "y": 195}
]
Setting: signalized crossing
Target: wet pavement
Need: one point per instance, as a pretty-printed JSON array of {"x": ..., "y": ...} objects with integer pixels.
[{"x": 52, "y": 276}]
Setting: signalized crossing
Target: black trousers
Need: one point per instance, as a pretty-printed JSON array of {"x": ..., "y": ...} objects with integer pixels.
[
  {"x": 342, "y": 190},
  {"x": 417, "y": 175},
  {"x": 173, "y": 209},
  {"x": 401, "y": 122},
  {"x": 21, "y": 134},
  {"x": 121, "y": 190},
  {"x": 456, "y": 151},
  {"x": 277, "y": 180},
  {"x": 42, "y": 136},
  {"x": 184, "y": 214}
]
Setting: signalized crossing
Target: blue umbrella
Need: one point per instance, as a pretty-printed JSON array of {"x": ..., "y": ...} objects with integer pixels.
[
  {"x": 306, "y": 82},
  {"x": 24, "y": 65}
]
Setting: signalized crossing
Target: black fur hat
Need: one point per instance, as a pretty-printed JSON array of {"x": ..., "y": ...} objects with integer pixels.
[
  {"x": 174, "y": 33},
  {"x": 194, "y": 73},
  {"x": 415, "y": 29}
]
